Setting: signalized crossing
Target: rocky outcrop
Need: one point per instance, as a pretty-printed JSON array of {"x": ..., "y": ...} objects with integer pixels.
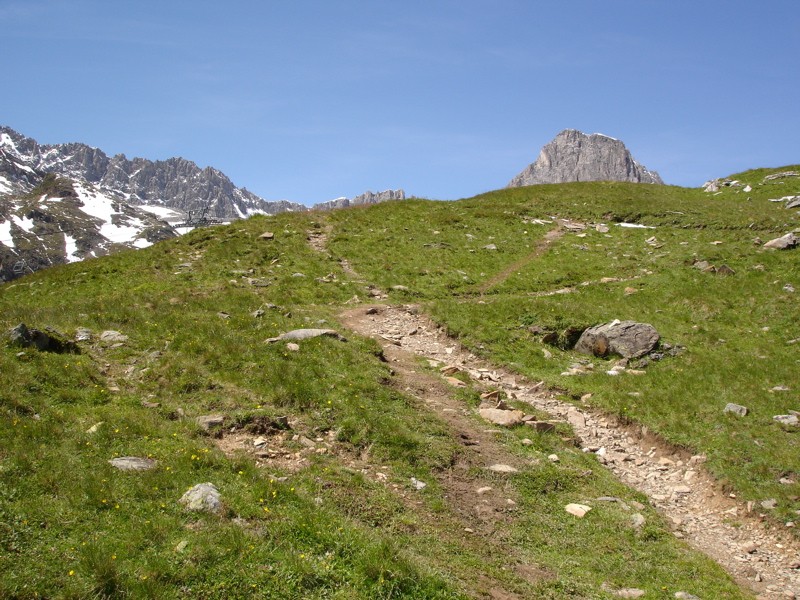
[
  {"x": 576, "y": 156},
  {"x": 625, "y": 338},
  {"x": 364, "y": 199}
]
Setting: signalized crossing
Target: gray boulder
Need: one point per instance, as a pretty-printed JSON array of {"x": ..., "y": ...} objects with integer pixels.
[
  {"x": 203, "y": 497},
  {"x": 786, "y": 242},
  {"x": 628, "y": 339}
]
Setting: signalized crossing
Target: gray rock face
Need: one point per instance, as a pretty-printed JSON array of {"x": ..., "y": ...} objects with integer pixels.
[
  {"x": 629, "y": 339},
  {"x": 364, "y": 199},
  {"x": 575, "y": 156}
]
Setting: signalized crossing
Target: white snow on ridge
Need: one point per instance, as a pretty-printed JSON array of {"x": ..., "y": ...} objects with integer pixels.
[
  {"x": 5, "y": 185},
  {"x": 634, "y": 226},
  {"x": 606, "y": 136},
  {"x": 160, "y": 211},
  {"x": 5, "y": 234},
  {"x": 23, "y": 223},
  {"x": 71, "y": 249},
  {"x": 141, "y": 243},
  {"x": 101, "y": 207},
  {"x": 94, "y": 204}
]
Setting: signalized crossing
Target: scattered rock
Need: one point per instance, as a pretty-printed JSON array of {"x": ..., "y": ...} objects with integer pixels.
[
  {"x": 629, "y": 339},
  {"x": 769, "y": 504},
  {"x": 49, "y": 340},
  {"x": 685, "y": 596},
  {"x": 786, "y": 419},
  {"x": 111, "y": 337},
  {"x": 541, "y": 426},
  {"x": 267, "y": 235},
  {"x": 148, "y": 404},
  {"x": 132, "y": 463},
  {"x": 637, "y": 521},
  {"x": 203, "y": 497},
  {"x": 94, "y": 428},
  {"x": 417, "y": 484},
  {"x": 736, "y": 409},
  {"x": 786, "y": 242},
  {"x": 209, "y": 422},
  {"x": 305, "y": 334},
  {"x": 505, "y": 418},
  {"x": 499, "y": 468},
  {"x": 579, "y": 510},
  {"x": 490, "y": 247},
  {"x": 83, "y": 334},
  {"x": 292, "y": 347},
  {"x": 455, "y": 382},
  {"x": 629, "y": 593}
]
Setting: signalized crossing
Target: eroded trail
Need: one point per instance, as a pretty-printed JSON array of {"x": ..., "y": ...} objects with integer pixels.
[{"x": 677, "y": 484}]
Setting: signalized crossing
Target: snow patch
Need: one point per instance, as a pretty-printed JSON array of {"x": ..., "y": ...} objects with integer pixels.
[
  {"x": 5, "y": 185},
  {"x": 634, "y": 226},
  {"x": 5, "y": 234},
  {"x": 160, "y": 211},
  {"x": 71, "y": 249},
  {"x": 141, "y": 243},
  {"x": 24, "y": 223}
]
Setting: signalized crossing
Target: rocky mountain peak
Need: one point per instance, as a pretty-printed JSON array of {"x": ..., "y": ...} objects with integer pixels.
[{"x": 576, "y": 156}]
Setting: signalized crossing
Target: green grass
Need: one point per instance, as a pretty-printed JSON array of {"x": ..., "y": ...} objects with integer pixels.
[{"x": 72, "y": 526}]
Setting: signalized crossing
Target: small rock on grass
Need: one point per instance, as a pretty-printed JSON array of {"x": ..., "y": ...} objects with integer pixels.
[
  {"x": 629, "y": 593},
  {"x": 736, "y": 409},
  {"x": 685, "y": 596},
  {"x": 579, "y": 510},
  {"x": 203, "y": 497},
  {"x": 498, "y": 468},
  {"x": 132, "y": 463}
]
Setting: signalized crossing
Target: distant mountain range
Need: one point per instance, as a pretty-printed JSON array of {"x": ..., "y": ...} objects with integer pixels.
[
  {"x": 66, "y": 202},
  {"x": 61, "y": 203}
]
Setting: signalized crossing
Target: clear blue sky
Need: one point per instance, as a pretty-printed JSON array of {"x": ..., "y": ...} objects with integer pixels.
[{"x": 308, "y": 100}]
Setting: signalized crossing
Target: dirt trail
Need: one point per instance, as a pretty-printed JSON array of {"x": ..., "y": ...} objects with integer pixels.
[
  {"x": 764, "y": 560},
  {"x": 543, "y": 244},
  {"x": 677, "y": 484}
]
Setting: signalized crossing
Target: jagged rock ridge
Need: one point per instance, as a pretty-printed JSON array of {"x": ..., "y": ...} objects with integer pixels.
[
  {"x": 175, "y": 183},
  {"x": 364, "y": 199},
  {"x": 576, "y": 156}
]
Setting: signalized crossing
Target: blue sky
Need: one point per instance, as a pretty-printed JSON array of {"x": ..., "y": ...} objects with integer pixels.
[{"x": 309, "y": 100}]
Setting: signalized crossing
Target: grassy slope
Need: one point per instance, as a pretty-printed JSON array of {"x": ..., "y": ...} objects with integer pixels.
[
  {"x": 735, "y": 329},
  {"x": 71, "y": 526}
]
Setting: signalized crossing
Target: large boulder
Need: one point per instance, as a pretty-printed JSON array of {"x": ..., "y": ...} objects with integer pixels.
[{"x": 629, "y": 339}]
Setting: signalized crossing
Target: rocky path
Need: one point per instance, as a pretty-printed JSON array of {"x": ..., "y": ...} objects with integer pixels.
[
  {"x": 729, "y": 531},
  {"x": 677, "y": 484}
]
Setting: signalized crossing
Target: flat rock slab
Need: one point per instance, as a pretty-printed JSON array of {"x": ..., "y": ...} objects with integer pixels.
[
  {"x": 306, "y": 334},
  {"x": 133, "y": 463},
  {"x": 208, "y": 422},
  {"x": 579, "y": 510},
  {"x": 502, "y": 469},
  {"x": 113, "y": 337},
  {"x": 203, "y": 497},
  {"x": 498, "y": 416}
]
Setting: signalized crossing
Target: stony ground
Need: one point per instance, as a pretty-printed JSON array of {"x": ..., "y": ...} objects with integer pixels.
[{"x": 676, "y": 484}]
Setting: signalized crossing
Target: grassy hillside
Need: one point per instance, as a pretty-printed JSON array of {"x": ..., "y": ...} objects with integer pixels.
[{"x": 326, "y": 509}]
